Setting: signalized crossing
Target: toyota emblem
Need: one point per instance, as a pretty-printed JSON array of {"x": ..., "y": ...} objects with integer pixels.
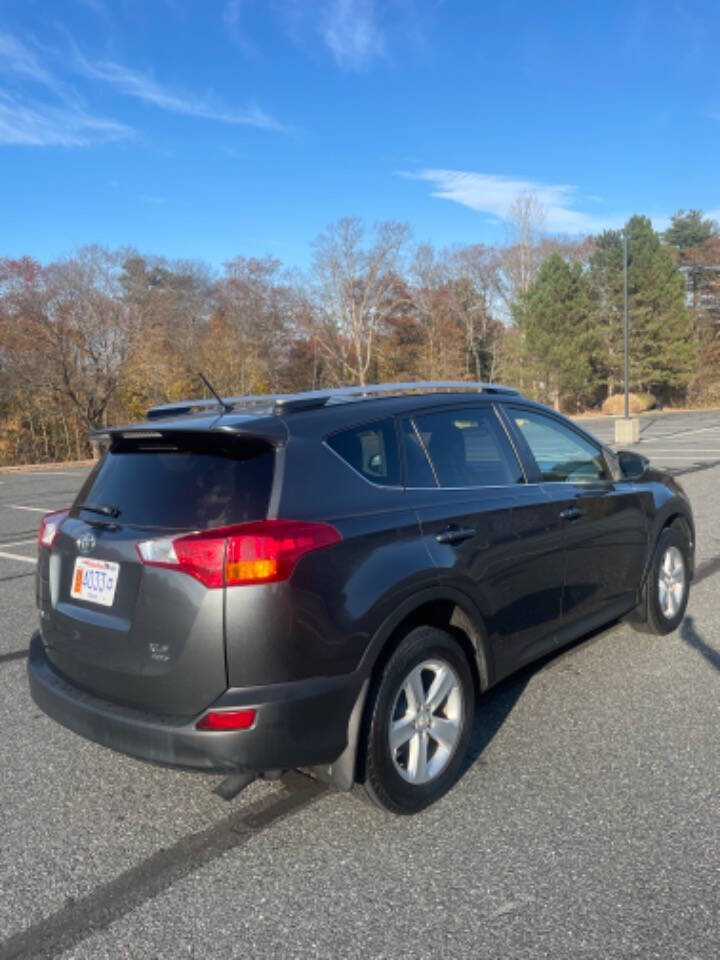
[{"x": 86, "y": 543}]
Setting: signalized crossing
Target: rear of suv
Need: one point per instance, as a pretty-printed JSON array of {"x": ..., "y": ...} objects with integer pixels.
[{"x": 328, "y": 580}]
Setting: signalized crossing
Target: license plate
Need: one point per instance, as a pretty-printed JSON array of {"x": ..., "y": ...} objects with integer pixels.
[{"x": 94, "y": 581}]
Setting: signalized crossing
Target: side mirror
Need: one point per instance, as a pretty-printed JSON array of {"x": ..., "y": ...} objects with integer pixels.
[{"x": 633, "y": 465}]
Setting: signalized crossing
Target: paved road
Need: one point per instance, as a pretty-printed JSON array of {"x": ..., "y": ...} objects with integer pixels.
[
  {"x": 677, "y": 441},
  {"x": 586, "y": 824}
]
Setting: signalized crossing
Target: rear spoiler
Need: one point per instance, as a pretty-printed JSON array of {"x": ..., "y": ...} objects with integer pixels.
[{"x": 270, "y": 429}]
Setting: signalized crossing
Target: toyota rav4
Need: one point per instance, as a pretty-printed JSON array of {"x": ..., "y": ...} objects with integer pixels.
[{"x": 332, "y": 580}]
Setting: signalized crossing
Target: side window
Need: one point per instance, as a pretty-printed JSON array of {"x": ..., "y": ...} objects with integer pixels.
[
  {"x": 417, "y": 466},
  {"x": 562, "y": 455},
  {"x": 468, "y": 448},
  {"x": 371, "y": 450}
]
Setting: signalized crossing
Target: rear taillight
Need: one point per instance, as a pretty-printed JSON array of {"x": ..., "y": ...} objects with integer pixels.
[
  {"x": 226, "y": 720},
  {"x": 263, "y": 551},
  {"x": 50, "y": 527},
  {"x": 202, "y": 555}
]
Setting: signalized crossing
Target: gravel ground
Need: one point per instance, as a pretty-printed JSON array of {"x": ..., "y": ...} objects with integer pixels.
[{"x": 585, "y": 825}]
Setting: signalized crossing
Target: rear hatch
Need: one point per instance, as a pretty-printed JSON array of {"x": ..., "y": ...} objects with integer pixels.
[{"x": 148, "y": 636}]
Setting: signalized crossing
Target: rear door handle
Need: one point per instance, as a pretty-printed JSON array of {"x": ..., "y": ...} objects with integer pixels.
[
  {"x": 456, "y": 534},
  {"x": 571, "y": 513}
]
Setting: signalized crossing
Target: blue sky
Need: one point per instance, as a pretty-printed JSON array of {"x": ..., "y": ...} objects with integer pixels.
[{"x": 212, "y": 128}]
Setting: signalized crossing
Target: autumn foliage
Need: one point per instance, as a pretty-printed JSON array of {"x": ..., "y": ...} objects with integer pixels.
[{"x": 100, "y": 337}]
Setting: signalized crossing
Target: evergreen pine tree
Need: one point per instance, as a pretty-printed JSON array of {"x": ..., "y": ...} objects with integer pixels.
[
  {"x": 662, "y": 353},
  {"x": 555, "y": 320}
]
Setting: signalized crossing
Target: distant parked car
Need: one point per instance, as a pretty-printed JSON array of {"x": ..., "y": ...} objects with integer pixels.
[{"x": 330, "y": 580}]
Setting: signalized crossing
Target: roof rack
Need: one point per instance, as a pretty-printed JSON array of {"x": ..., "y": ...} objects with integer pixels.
[{"x": 289, "y": 402}]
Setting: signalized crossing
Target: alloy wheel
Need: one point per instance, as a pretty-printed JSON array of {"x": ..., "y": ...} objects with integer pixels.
[
  {"x": 426, "y": 721},
  {"x": 671, "y": 582}
]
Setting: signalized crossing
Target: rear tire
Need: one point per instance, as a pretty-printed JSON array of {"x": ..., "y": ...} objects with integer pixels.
[
  {"x": 667, "y": 588},
  {"x": 418, "y": 722}
]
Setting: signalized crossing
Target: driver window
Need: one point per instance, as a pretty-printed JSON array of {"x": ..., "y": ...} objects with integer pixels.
[{"x": 561, "y": 454}]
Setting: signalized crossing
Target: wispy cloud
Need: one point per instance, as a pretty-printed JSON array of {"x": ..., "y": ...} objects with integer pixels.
[
  {"x": 494, "y": 194},
  {"x": 350, "y": 30},
  {"x": 39, "y": 110},
  {"x": 16, "y": 58},
  {"x": 234, "y": 20},
  {"x": 234, "y": 153},
  {"x": 33, "y": 124},
  {"x": 352, "y": 33},
  {"x": 97, "y": 6},
  {"x": 142, "y": 86}
]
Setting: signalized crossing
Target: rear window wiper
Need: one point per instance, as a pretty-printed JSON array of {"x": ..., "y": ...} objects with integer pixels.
[{"x": 101, "y": 508}]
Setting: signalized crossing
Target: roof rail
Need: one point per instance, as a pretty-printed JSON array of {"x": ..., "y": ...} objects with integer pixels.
[{"x": 288, "y": 402}]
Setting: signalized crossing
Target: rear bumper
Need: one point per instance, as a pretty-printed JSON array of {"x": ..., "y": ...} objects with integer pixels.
[{"x": 299, "y": 724}]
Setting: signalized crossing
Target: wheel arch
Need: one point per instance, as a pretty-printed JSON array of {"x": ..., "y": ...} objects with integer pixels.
[
  {"x": 674, "y": 513},
  {"x": 446, "y": 608}
]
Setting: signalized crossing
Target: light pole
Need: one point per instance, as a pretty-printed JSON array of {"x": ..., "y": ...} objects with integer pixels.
[
  {"x": 627, "y": 430},
  {"x": 625, "y": 326}
]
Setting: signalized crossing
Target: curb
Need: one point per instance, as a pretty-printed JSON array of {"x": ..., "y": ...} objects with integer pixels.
[{"x": 43, "y": 467}]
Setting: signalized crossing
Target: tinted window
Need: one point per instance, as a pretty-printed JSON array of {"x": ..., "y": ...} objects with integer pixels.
[
  {"x": 191, "y": 485},
  {"x": 371, "y": 450},
  {"x": 561, "y": 454},
  {"x": 417, "y": 467},
  {"x": 468, "y": 448}
]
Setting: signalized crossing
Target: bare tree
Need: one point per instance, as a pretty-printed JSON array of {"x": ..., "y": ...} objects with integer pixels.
[
  {"x": 358, "y": 290},
  {"x": 252, "y": 300},
  {"x": 174, "y": 302},
  {"x": 476, "y": 291},
  {"x": 432, "y": 299},
  {"x": 522, "y": 255},
  {"x": 74, "y": 317}
]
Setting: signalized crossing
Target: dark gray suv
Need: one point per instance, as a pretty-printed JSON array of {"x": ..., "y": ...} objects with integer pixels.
[{"x": 330, "y": 580}]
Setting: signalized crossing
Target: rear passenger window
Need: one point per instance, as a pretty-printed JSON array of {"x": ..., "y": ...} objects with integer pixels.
[
  {"x": 417, "y": 466},
  {"x": 468, "y": 448},
  {"x": 371, "y": 450}
]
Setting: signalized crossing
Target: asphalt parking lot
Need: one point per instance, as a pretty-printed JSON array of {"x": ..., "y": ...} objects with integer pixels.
[{"x": 586, "y": 824}]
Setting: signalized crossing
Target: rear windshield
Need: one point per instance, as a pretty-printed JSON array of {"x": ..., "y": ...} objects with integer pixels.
[{"x": 191, "y": 484}]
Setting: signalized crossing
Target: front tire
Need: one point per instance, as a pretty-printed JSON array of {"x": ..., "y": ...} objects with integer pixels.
[
  {"x": 418, "y": 722},
  {"x": 668, "y": 584}
]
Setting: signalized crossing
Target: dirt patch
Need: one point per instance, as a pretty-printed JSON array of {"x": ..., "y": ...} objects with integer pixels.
[{"x": 637, "y": 402}]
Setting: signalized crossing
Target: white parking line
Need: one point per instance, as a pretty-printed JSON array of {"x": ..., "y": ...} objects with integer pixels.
[
  {"x": 16, "y": 556},
  {"x": 15, "y": 506},
  {"x": 18, "y": 543},
  {"x": 684, "y": 433}
]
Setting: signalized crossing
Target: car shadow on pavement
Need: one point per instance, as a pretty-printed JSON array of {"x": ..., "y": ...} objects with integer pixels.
[
  {"x": 692, "y": 638},
  {"x": 494, "y": 707}
]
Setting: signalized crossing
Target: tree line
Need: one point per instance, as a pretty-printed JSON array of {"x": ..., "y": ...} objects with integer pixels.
[{"x": 101, "y": 336}]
